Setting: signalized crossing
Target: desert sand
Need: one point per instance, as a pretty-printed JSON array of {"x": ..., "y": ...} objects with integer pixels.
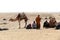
[{"x": 23, "y": 34}]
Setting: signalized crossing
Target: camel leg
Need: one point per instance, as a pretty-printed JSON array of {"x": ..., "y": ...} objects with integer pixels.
[
  {"x": 19, "y": 23},
  {"x": 25, "y": 24}
]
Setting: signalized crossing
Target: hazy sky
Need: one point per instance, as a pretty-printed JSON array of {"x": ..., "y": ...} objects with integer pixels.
[{"x": 29, "y": 5}]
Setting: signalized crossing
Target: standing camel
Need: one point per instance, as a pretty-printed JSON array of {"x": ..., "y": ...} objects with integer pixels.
[{"x": 19, "y": 18}]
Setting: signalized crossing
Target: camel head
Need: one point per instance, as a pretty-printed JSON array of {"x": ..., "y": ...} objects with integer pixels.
[{"x": 12, "y": 19}]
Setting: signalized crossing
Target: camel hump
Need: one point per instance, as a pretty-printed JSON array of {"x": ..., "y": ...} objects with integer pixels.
[
  {"x": 21, "y": 15},
  {"x": 18, "y": 16}
]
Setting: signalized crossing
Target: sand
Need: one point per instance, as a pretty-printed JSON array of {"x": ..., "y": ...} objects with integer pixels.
[{"x": 23, "y": 34}]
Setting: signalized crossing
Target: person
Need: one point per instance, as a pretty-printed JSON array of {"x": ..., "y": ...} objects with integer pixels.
[
  {"x": 58, "y": 25},
  {"x": 38, "y": 20},
  {"x": 29, "y": 26},
  {"x": 46, "y": 24},
  {"x": 34, "y": 25}
]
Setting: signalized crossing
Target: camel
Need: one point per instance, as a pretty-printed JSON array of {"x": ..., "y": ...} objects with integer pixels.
[
  {"x": 19, "y": 18},
  {"x": 52, "y": 22}
]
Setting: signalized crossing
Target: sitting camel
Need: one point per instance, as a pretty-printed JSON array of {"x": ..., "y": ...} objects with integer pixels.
[{"x": 51, "y": 23}]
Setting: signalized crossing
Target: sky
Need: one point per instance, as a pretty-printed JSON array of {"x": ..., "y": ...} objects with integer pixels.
[{"x": 29, "y": 5}]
